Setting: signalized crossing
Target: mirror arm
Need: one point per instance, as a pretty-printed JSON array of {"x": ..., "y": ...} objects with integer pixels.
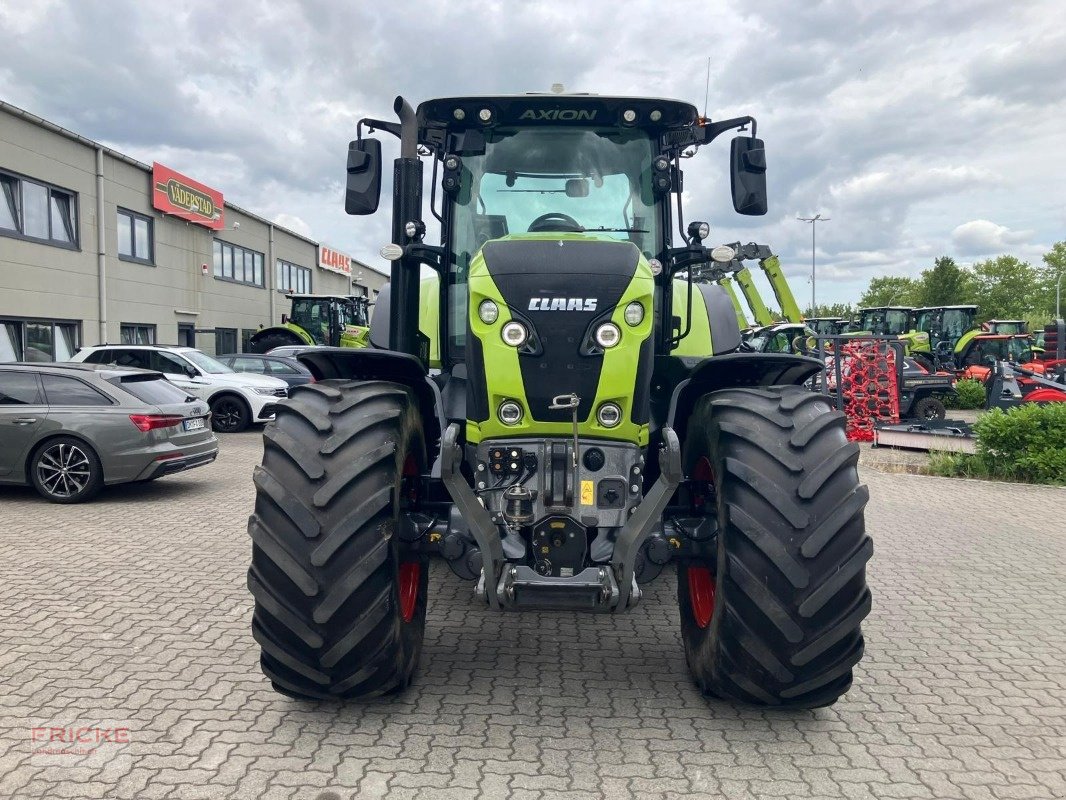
[
  {"x": 713, "y": 130},
  {"x": 376, "y": 124}
]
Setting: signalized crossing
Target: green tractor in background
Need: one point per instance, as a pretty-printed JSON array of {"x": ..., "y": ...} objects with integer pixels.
[
  {"x": 591, "y": 418},
  {"x": 948, "y": 329},
  {"x": 314, "y": 319},
  {"x": 893, "y": 322}
]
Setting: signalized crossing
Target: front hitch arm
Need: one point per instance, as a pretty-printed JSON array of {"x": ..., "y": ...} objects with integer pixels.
[
  {"x": 474, "y": 513},
  {"x": 643, "y": 520}
]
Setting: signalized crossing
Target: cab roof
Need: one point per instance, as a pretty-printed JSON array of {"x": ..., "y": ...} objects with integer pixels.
[{"x": 581, "y": 110}]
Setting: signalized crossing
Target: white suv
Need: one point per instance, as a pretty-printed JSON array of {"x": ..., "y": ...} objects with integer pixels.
[{"x": 237, "y": 399}]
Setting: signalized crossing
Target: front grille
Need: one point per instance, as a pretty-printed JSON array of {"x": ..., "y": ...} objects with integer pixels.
[{"x": 281, "y": 393}]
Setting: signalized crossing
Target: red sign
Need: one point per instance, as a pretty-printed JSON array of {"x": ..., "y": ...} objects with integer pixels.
[
  {"x": 334, "y": 260},
  {"x": 173, "y": 193}
]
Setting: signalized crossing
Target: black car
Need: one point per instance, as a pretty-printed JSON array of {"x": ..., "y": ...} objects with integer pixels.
[{"x": 287, "y": 369}]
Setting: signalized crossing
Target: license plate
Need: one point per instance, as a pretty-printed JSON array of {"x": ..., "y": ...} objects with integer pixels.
[{"x": 194, "y": 424}]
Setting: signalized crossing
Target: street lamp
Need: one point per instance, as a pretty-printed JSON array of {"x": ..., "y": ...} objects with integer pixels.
[
  {"x": 1058, "y": 295},
  {"x": 813, "y": 221}
]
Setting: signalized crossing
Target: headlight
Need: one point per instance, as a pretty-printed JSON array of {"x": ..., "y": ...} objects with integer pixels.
[
  {"x": 609, "y": 415},
  {"x": 488, "y": 312},
  {"x": 634, "y": 314},
  {"x": 261, "y": 390},
  {"x": 509, "y": 412},
  {"x": 514, "y": 334},
  {"x": 608, "y": 335}
]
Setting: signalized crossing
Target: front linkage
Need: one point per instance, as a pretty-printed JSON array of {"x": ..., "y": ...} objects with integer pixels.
[{"x": 606, "y": 587}]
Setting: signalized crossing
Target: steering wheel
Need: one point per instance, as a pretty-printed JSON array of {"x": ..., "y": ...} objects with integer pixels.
[{"x": 555, "y": 221}]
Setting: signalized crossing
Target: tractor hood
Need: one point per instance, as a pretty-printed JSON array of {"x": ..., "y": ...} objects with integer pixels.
[{"x": 561, "y": 287}]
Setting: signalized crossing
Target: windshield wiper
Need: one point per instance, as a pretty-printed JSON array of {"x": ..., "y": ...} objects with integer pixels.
[{"x": 616, "y": 230}]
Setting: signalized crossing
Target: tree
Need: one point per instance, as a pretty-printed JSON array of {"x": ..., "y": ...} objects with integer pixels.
[
  {"x": 838, "y": 310},
  {"x": 1049, "y": 274},
  {"x": 945, "y": 284},
  {"x": 889, "y": 290},
  {"x": 1006, "y": 288}
]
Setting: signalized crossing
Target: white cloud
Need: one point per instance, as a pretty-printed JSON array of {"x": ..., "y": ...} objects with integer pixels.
[{"x": 982, "y": 237}]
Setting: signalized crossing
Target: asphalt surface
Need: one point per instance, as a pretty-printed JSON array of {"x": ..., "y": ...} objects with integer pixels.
[{"x": 128, "y": 619}]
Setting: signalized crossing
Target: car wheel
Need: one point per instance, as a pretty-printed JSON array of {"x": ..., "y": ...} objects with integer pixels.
[
  {"x": 229, "y": 414},
  {"x": 66, "y": 470}
]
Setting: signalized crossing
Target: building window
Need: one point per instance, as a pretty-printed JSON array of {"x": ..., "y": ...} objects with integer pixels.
[
  {"x": 186, "y": 334},
  {"x": 246, "y": 338},
  {"x": 135, "y": 237},
  {"x": 38, "y": 340},
  {"x": 136, "y": 333},
  {"x": 38, "y": 211},
  {"x": 293, "y": 278},
  {"x": 234, "y": 263}
]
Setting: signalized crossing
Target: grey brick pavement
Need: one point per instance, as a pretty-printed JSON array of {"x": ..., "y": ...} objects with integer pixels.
[{"x": 133, "y": 609}]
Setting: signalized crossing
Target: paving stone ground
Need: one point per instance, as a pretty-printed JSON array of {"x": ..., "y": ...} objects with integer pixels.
[{"x": 132, "y": 613}]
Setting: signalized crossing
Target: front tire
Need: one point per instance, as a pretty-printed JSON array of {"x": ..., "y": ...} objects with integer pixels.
[
  {"x": 929, "y": 409},
  {"x": 230, "y": 414},
  {"x": 339, "y": 611},
  {"x": 774, "y": 619}
]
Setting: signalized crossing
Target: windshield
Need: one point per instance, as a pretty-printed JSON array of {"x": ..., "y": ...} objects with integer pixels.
[
  {"x": 205, "y": 362},
  {"x": 985, "y": 350},
  {"x": 550, "y": 180}
]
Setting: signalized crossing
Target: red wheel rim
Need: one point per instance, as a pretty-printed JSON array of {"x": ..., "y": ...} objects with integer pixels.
[
  {"x": 410, "y": 572},
  {"x": 701, "y": 595}
]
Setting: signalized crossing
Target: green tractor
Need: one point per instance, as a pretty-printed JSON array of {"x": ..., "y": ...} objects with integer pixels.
[
  {"x": 315, "y": 319},
  {"x": 893, "y": 322},
  {"x": 948, "y": 329},
  {"x": 592, "y": 418}
]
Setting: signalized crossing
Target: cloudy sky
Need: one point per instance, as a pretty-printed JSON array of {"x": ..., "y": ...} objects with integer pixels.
[{"x": 919, "y": 128}]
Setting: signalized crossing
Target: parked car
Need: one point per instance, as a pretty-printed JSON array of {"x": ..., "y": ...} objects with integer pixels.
[
  {"x": 292, "y": 350},
  {"x": 287, "y": 369},
  {"x": 68, "y": 429},
  {"x": 236, "y": 399}
]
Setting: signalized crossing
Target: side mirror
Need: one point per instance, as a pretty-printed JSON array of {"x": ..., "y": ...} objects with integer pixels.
[
  {"x": 284, "y": 319},
  {"x": 192, "y": 372},
  {"x": 363, "y": 189},
  {"x": 747, "y": 175}
]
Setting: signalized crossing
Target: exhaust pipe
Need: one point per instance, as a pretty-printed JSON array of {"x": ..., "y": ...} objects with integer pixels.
[{"x": 408, "y": 129}]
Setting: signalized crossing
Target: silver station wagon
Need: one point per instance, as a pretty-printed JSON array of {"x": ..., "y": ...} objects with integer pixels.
[{"x": 69, "y": 429}]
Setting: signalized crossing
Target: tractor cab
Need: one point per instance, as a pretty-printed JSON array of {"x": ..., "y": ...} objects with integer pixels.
[
  {"x": 945, "y": 325},
  {"x": 827, "y": 326},
  {"x": 329, "y": 318},
  {"x": 1010, "y": 327},
  {"x": 987, "y": 348},
  {"x": 885, "y": 320}
]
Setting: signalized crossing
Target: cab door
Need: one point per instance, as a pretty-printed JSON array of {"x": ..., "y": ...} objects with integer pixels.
[{"x": 22, "y": 412}]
